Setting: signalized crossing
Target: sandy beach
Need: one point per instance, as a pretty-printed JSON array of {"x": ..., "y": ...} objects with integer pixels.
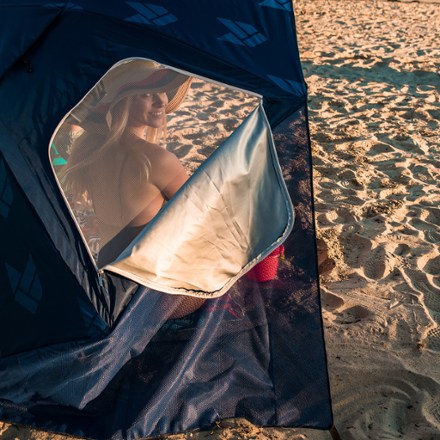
[{"x": 372, "y": 69}]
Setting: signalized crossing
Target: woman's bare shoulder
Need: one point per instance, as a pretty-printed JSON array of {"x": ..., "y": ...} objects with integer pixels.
[
  {"x": 156, "y": 154},
  {"x": 164, "y": 168},
  {"x": 141, "y": 146}
]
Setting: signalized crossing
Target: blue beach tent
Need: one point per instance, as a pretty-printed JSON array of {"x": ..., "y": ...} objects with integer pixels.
[{"x": 98, "y": 351}]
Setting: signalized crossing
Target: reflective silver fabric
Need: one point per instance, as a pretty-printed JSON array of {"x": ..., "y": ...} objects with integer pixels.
[{"x": 230, "y": 214}]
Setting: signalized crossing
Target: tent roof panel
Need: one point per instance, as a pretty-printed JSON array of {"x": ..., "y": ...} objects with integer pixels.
[
  {"x": 257, "y": 37},
  {"x": 24, "y": 26}
]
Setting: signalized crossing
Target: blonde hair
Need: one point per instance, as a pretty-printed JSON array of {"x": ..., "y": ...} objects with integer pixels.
[{"x": 89, "y": 147}]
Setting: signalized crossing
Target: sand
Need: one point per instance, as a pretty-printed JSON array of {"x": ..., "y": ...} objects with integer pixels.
[
  {"x": 372, "y": 70},
  {"x": 374, "y": 91}
]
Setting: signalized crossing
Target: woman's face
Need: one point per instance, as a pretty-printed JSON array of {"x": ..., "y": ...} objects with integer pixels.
[{"x": 148, "y": 109}]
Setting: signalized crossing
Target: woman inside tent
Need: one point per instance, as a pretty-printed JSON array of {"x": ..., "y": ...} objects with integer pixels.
[{"x": 118, "y": 164}]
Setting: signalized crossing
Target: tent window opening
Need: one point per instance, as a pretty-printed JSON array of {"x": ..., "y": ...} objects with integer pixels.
[{"x": 123, "y": 152}]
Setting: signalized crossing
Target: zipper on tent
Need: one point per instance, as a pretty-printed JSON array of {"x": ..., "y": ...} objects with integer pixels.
[
  {"x": 66, "y": 202},
  {"x": 100, "y": 272},
  {"x": 72, "y": 214}
]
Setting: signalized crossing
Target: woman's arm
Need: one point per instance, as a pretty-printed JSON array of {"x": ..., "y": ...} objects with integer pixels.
[
  {"x": 167, "y": 173},
  {"x": 144, "y": 193}
]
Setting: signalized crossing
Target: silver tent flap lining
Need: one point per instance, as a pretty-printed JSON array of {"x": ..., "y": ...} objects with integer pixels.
[{"x": 230, "y": 214}]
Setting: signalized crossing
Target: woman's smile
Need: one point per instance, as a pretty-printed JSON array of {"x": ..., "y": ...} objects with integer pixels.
[{"x": 148, "y": 109}]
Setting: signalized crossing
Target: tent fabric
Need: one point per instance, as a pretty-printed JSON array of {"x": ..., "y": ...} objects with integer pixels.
[
  {"x": 101, "y": 356},
  {"x": 73, "y": 72},
  {"x": 208, "y": 235},
  {"x": 33, "y": 23},
  {"x": 36, "y": 289},
  {"x": 246, "y": 354}
]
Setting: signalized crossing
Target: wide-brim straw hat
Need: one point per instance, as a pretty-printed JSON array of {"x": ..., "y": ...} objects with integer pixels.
[{"x": 130, "y": 77}]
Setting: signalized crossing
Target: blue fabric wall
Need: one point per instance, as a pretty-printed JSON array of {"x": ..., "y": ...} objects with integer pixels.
[{"x": 97, "y": 358}]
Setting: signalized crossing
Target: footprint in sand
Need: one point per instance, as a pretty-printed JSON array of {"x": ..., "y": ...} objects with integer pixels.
[
  {"x": 380, "y": 148},
  {"x": 179, "y": 149},
  {"x": 378, "y": 264},
  {"x": 432, "y": 236},
  {"x": 433, "y": 411},
  {"x": 389, "y": 407},
  {"x": 357, "y": 249},
  {"x": 431, "y": 299},
  {"x": 430, "y": 263},
  {"x": 433, "y": 339},
  {"x": 402, "y": 249},
  {"x": 331, "y": 301},
  {"x": 353, "y": 315},
  {"x": 425, "y": 227}
]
